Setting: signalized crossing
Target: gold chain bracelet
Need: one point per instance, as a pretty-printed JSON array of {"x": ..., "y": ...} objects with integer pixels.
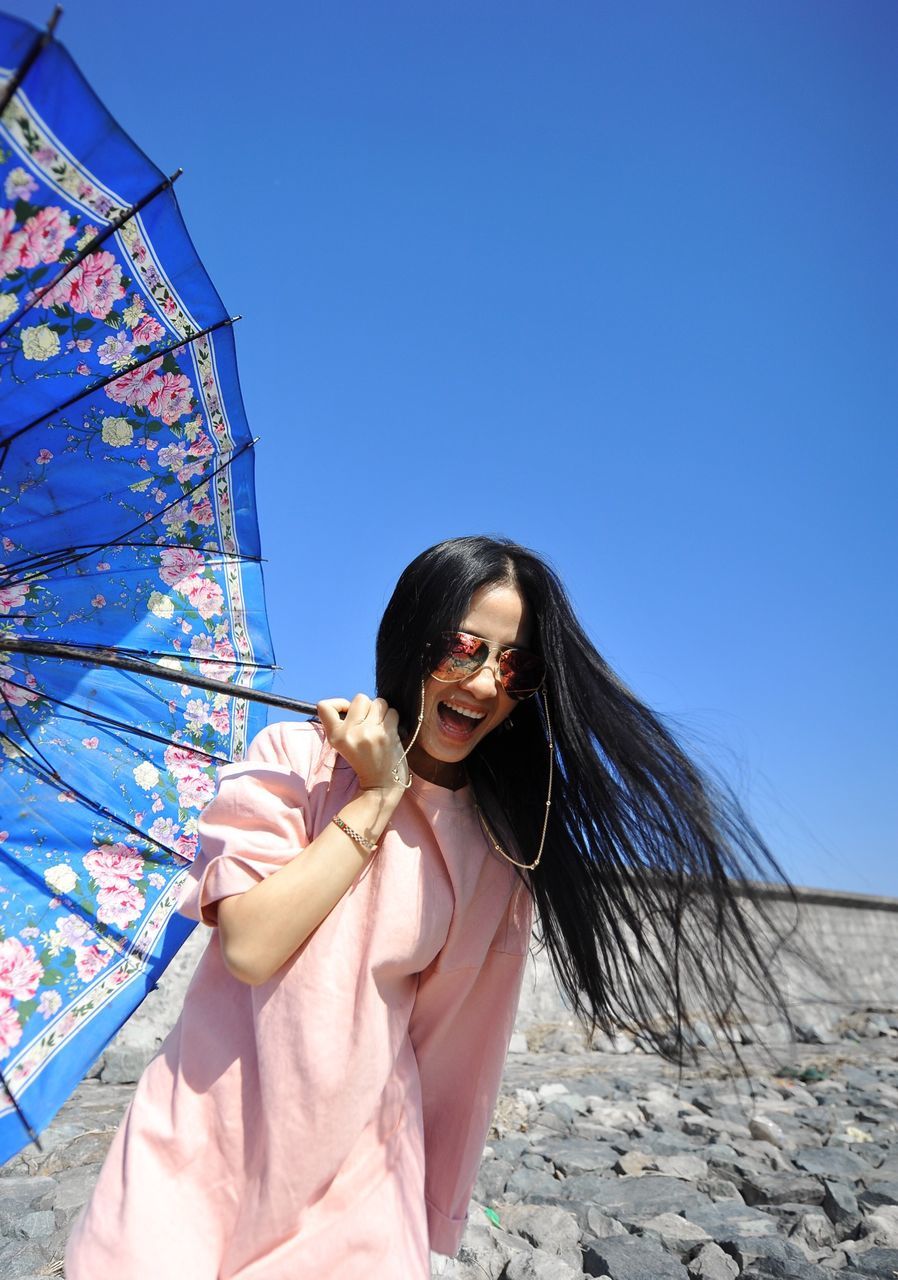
[{"x": 368, "y": 845}]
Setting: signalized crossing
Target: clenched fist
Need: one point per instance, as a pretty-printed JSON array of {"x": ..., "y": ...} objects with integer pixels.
[{"x": 367, "y": 737}]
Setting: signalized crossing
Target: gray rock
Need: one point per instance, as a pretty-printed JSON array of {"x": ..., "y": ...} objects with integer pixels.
[
  {"x": 532, "y": 1185},
  {"x": 841, "y": 1207},
  {"x": 675, "y": 1233},
  {"x": 777, "y": 1188},
  {"x": 546, "y": 1227},
  {"x": 634, "y": 1200},
  {"x": 540, "y": 1266},
  {"x": 884, "y": 1191},
  {"x": 711, "y": 1263},
  {"x": 578, "y": 1155},
  {"x": 830, "y": 1162},
  {"x": 776, "y": 1256},
  {"x": 630, "y": 1259},
  {"x": 875, "y": 1262},
  {"x": 689, "y": 1167},
  {"x": 728, "y": 1218},
  {"x": 601, "y": 1225},
  {"x": 814, "y": 1233}
]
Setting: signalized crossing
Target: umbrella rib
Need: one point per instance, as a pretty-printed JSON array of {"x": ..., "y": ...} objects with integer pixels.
[
  {"x": 40, "y": 42},
  {"x": 42, "y": 765},
  {"x": 113, "y": 377},
  {"x": 116, "y": 225},
  {"x": 105, "y": 657},
  {"x": 112, "y": 723},
  {"x": 64, "y": 650},
  {"x": 66, "y": 559},
  {"x": 47, "y": 557}
]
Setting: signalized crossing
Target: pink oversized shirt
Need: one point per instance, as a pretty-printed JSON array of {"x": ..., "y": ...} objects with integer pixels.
[{"x": 331, "y": 1121}]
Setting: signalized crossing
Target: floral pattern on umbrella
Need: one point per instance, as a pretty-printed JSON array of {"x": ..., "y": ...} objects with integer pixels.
[{"x": 127, "y": 521}]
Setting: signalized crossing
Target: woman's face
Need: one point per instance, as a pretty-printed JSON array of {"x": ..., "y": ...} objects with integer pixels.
[{"x": 498, "y": 613}]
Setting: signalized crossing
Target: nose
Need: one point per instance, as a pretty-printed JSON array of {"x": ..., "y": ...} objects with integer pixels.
[{"x": 485, "y": 681}]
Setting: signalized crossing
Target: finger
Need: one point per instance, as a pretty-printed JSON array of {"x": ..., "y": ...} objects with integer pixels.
[
  {"x": 330, "y": 712},
  {"x": 391, "y": 720},
  {"x": 379, "y": 709},
  {"x": 358, "y": 708}
]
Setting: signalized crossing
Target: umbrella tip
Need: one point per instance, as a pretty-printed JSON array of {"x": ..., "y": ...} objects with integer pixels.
[
  {"x": 53, "y": 19},
  {"x": 176, "y": 175},
  {"x": 234, "y": 319}
]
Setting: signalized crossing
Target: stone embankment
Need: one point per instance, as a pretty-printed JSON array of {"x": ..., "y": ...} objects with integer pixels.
[{"x": 602, "y": 1163}]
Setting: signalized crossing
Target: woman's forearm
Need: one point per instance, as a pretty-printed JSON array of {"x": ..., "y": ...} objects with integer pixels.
[{"x": 261, "y": 929}]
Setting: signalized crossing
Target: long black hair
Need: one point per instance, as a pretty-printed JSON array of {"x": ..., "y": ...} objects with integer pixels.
[{"x": 650, "y": 892}]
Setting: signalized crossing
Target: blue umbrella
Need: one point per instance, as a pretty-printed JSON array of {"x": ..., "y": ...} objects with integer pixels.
[{"x": 134, "y": 648}]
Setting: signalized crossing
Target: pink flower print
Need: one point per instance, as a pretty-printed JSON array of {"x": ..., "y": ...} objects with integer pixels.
[
  {"x": 120, "y": 905},
  {"x": 195, "y": 790},
  {"x": 83, "y": 369},
  {"x": 10, "y": 1028},
  {"x": 206, "y": 597},
  {"x": 44, "y": 236},
  {"x": 90, "y": 960},
  {"x": 201, "y": 512},
  {"x": 20, "y": 970},
  {"x": 116, "y": 347},
  {"x": 8, "y": 544},
  {"x": 12, "y": 596},
  {"x": 221, "y": 720},
  {"x": 170, "y": 399},
  {"x": 163, "y": 830},
  {"x": 137, "y": 385},
  {"x": 90, "y": 743},
  {"x": 169, "y": 306},
  {"x": 94, "y": 286},
  {"x": 180, "y": 565},
  {"x": 84, "y": 344},
  {"x": 181, "y": 760},
  {"x": 172, "y": 456},
  {"x": 175, "y": 514},
  {"x": 113, "y": 865},
  {"x": 11, "y": 242},
  {"x": 187, "y": 846},
  {"x": 147, "y": 332},
  {"x": 43, "y": 457},
  {"x": 98, "y": 601},
  {"x": 66, "y": 797},
  {"x": 103, "y": 566},
  {"x": 11, "y": 689}
]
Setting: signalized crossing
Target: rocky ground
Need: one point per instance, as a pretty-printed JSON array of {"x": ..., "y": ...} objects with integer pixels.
[{"x": 601, "y": 1163}]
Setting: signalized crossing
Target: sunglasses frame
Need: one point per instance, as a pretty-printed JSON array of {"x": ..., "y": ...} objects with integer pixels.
[{"x": 496, "y": 650}]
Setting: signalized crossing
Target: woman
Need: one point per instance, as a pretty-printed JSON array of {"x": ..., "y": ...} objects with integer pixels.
[{"x": 321, "y": 1106}]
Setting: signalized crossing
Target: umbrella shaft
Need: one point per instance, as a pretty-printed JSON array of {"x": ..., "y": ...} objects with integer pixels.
[{"x": 113, "y": 658}]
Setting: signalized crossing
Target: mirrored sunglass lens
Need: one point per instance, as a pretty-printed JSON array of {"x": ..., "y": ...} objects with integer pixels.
[
  {"x": 458, "y": 656},
  {"x": 521, "y": 672}
]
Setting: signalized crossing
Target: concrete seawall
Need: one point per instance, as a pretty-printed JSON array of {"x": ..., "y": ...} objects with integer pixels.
[{"x": 855, "y": 935}]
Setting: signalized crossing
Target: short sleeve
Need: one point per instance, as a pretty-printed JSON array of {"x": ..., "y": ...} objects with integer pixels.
[{"x": 258, "y": 820}]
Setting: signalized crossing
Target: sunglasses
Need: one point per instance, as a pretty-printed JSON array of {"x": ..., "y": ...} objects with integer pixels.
[{"x": 458, "y": 655}]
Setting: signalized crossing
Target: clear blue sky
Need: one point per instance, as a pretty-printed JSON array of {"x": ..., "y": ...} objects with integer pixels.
[{"x": 617, "y": 279}]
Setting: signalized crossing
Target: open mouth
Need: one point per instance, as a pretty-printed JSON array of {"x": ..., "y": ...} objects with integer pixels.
[{"x": 459, "y": 725}]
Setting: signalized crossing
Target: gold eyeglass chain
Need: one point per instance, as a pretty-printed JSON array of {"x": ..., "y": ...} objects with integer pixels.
[{"x": 527, "y": 866}]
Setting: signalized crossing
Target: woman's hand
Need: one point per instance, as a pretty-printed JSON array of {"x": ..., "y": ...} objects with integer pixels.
[{"x": 367, "y": 738}]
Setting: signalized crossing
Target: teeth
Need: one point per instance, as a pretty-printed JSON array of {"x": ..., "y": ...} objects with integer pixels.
[{"x": 466, "y": 711}]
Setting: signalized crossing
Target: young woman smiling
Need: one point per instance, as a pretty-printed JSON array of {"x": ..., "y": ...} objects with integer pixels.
[{"x": 321, "y": 1106}]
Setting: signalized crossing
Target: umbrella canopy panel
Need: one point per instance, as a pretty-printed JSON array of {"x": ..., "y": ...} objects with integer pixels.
[{"x": 127, "y": 520}]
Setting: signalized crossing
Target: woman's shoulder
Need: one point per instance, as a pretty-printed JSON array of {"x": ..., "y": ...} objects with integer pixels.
[{"x": 297, "y": 745}]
